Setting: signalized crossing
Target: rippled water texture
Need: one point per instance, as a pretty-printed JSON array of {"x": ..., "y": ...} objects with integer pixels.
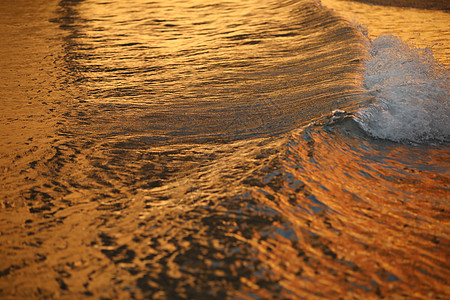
[
  {"x": 420, "y": 28},
  {"x": 371, "y": 215},
  {"x": 199, "y": 150},
  {"x": 199, "y": 71}
]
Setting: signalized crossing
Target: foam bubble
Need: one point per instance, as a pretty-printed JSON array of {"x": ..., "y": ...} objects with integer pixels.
[{"x": 411, "y": 93}]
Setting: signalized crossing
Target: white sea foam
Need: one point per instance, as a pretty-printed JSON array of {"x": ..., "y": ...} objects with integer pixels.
[{"x": 411, "y": 93}]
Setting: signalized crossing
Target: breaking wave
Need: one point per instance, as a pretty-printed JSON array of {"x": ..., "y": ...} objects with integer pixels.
[{"x": 411, "y": 93}]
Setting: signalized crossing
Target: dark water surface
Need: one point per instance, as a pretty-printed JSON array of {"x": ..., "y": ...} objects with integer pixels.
[{"x": 220, "y": 150}]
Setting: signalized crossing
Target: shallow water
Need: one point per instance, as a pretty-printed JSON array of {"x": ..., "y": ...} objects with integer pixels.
[
  {"x": 245, "y": 70},
  {"x": 182, "y": 150},
  {"x": 420, "y": 28}
]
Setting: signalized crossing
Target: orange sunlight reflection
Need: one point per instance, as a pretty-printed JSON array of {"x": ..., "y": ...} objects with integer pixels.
[{"x": 419, "y": 27}]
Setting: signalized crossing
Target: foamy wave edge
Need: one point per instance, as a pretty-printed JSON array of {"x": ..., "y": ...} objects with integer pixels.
[{"x": 410, "y": 91}]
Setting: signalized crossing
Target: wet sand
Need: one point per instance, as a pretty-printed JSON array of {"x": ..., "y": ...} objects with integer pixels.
[{"x": 425, "y": 4}]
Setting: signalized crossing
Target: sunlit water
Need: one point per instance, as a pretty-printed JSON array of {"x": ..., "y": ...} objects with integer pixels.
[{"x": 234, "y": 149}]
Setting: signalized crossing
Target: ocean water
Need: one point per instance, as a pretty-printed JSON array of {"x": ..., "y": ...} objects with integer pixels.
[{"x": 224, "y": 150}]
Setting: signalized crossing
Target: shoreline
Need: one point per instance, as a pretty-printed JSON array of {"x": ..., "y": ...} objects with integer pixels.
[{"x": 427, "y": 4}]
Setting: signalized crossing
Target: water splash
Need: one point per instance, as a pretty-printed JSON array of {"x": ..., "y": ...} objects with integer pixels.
[{"x": 411, "y": 93}]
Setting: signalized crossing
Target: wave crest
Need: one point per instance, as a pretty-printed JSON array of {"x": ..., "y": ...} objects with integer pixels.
[{"x": 411, "y": 93}]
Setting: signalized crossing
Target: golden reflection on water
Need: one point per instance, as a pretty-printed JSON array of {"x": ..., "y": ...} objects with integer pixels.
[
  {"x": 224, "y": 69},
  {"x": 418, "y": 27},
  {"x": 372, "y": 216},
  {"x": 101, "y": 204}
]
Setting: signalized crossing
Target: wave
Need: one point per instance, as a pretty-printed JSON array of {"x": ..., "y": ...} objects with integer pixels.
[
  {"x": 411, "y": 93},
  {"x": 249, "y": 73},
  {"x": 181, "y": 169}
]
